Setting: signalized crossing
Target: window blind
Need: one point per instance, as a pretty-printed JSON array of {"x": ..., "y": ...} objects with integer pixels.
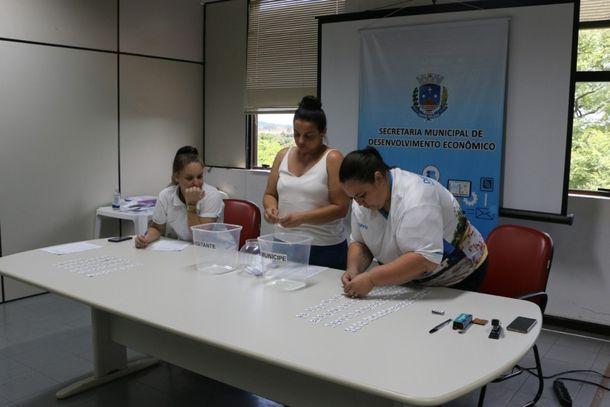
[
  {"x": 594, "y": 10},
  {"x": 283, "y": 50}
]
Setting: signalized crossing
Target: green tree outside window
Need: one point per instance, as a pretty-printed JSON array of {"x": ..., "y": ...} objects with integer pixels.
[{"x": 590, "y": 163}]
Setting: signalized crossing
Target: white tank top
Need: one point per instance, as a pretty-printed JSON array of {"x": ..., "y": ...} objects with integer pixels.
[{"x": 304, "y": 193}]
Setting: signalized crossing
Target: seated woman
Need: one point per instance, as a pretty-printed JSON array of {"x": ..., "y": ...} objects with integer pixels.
[
  {"x": 187, "y": 202},
  {"x": 411, "y": 224},
  {"x": 303, "y": 193}
]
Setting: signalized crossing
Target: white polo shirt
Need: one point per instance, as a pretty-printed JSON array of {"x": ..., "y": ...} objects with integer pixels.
[
  {"x": 171, "y": 211},
  {"x": 424, "y": 218}
]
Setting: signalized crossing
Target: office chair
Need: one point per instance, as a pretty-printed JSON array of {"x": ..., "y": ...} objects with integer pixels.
[
  {"x": 519, "y": 262},
  {"x": 246, "y": 214}
]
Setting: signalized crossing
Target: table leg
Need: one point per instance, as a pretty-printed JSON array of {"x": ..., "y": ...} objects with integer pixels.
[
  {"x": 98, "y": 226},
  {"x": 110, "y": 359}
]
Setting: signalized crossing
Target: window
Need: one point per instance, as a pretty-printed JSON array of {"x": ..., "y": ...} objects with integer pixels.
[
  {"x": 273, "y": 132},
  {"x": 590, "y": 162},
  {"x": 282, "y": 66}
]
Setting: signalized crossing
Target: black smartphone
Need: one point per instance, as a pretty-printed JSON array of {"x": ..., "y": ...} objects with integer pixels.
[
  {"x": 521, "y": 324},
  {"x": 117, "y": 239}
]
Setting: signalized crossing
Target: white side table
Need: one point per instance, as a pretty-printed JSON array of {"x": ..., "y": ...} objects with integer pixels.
[{"x": 140, "y": 219}]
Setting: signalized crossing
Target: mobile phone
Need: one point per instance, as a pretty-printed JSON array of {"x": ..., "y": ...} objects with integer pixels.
[
  {"x": 117, "y": 239},
  {"x": 521, "y": 324}
]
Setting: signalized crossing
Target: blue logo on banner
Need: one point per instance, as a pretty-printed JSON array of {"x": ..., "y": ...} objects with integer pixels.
[{"x": 430, "y": 98}]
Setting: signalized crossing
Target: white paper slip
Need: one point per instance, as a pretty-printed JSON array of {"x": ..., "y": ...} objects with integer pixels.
[
  {"x": 169, "y": 245},
  {"x": 70, "y": 248}
]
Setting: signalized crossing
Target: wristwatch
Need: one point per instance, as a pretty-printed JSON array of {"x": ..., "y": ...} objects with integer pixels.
[{"x": 191, "y": 208}]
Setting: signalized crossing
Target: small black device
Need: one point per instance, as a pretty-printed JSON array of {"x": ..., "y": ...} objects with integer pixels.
[
  {"x": 562, "y": 394},
  {"x": 496, "y": 329},
  {"x": 117, "y": 239},
  {"x": 521, "y": 324}
]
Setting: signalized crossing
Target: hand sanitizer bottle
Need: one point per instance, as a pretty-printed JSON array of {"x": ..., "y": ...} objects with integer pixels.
[{"x": 116, "y": 199}]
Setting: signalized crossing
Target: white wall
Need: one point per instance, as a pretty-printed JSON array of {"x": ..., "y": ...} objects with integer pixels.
[
  {"x": 579, "y": 283},
  {"x": 161, "y": 105},
  {"x": 75, "y": 120},
  {"x": 170, "y": 29}
]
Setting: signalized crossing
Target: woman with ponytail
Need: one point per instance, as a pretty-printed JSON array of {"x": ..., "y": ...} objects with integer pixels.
[
  {"x": 303, "y": 192},
  {"x": 187, "y": 202}
]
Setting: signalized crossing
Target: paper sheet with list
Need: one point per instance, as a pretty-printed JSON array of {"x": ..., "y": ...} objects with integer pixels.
[
  {"x": 169, "y": 245},
  {"x": 70, "y": 248}
]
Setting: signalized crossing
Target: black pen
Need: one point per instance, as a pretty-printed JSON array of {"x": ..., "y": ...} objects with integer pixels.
[{"x": 439, "y": 326}]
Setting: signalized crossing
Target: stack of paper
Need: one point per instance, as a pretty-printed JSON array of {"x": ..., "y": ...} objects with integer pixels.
[
  {"x": 169, "y": 245},
  {"x": 70, "y": 248}
]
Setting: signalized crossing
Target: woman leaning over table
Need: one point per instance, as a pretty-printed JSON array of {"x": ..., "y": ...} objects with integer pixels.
[
  {"x": 411, "y": 224},
  {"x": 187, "y": 202},
  {"x": 303, "y": 193}
]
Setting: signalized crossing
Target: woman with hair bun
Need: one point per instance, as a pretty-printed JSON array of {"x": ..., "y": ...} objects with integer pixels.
[
  {"x": 303, "y": 191},
  {"x": 411, "y": 224},
  {"x": 187, "y": 202}
]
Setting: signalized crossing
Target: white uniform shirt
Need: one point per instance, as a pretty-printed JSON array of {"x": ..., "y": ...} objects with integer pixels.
[
  {"x": 426, "y": 219},
  {"x": 171, "y": 211}
]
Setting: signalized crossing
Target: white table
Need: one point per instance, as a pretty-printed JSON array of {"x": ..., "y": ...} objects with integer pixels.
[
  {"x": 237, "y": 330},
  {"x": 140, "y": 219}
]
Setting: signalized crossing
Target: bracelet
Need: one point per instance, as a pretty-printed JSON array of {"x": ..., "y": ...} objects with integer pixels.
[{"x": 192, "y": 208}]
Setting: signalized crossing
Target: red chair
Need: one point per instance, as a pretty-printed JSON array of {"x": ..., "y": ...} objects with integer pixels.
[
  {"x": 519, "y": 262},
  {"x": 246, "y": 214}
]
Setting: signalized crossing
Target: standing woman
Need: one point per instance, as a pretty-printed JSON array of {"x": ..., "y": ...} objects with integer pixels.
[
  {"x": 411, "y": 224},
  {"x": 303, "y": 191},
  {"x": 187, "y": 202}
]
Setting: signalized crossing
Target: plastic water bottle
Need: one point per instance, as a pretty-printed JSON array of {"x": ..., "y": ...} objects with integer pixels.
[{"x": 116, "y": 199}]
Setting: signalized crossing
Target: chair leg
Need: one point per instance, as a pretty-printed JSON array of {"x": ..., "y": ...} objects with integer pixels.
[
  {"x": 482, "y": 396},
  {"x": 540, "y": 379}
]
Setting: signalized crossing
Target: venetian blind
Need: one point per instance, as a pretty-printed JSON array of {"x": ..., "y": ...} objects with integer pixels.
[
  {"x": 594, "y": 10},
  {"x": 283, "y": 50}
]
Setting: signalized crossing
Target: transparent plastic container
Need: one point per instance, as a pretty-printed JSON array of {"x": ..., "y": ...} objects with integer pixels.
[
  {"x": 249, "y": 258},
  {"x": 284, "y": 259},
  {"x": 216, "y": 247}
]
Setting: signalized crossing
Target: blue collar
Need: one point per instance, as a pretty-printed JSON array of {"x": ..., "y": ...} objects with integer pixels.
[{"x": 382, "y": 211}]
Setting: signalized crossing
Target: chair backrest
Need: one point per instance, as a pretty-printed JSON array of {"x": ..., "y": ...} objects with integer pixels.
[
  {"x": 246, "y": 214},
  {"x": 519, "y": 262}
]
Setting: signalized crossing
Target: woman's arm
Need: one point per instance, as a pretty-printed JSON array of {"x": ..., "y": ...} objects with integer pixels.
[
  {"x": 193, "y": 218},
  {"x": 405, "y": 268},
  {"x": 153, "y": 233},
  {"x": 359, "y": 257},
  {"x": 270, "y": 197},
  {"x": 338, "y": 200}
]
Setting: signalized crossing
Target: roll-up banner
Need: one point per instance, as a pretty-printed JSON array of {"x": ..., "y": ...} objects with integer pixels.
[{"x": 432, "y": 102}]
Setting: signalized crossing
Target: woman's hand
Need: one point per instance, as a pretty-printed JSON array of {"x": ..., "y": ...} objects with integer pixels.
[
  {"x": 359, "y": 286},
  {"x": 348, "y": 276},
  {"x": 271, "y": 215},
  {"x": 193, "y": 195},
  {"x": 141, "y": 241},
  {"x": 292, "y": 220}
]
